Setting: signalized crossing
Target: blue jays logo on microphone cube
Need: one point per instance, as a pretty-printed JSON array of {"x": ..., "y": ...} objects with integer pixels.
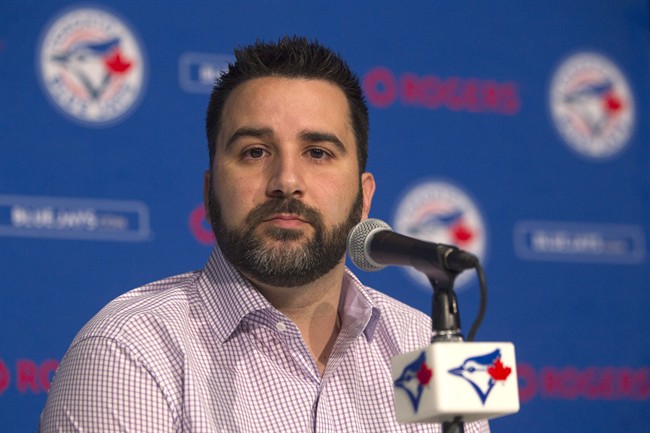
[{"x": 450, "y": 379}]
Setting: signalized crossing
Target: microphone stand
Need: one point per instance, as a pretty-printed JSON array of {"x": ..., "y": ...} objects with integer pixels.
[{"x": 445, "y": 319}]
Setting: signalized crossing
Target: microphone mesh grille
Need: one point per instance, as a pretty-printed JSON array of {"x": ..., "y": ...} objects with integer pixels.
[{"x": 359, "y": 238}]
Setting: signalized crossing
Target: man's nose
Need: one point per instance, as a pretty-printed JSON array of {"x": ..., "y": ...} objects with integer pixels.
[{"x": 286, "y": 177}]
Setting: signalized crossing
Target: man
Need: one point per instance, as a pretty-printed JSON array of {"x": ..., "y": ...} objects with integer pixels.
[{"x": 274, "y": 334}]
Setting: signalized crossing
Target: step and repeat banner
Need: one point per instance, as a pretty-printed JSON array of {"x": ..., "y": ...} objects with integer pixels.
[{"x": 516, "y": 130}]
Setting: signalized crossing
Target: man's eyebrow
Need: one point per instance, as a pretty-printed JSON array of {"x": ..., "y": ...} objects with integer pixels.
[
  {"x": 248, "y": 131},
  {"x": 317, "y": 136}
]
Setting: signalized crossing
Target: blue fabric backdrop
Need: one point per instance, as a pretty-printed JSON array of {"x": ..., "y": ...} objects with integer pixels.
[{"x": 518, "y": 130}]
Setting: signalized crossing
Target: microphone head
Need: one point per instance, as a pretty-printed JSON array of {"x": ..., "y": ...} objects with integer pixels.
[{"x": 359, "y": 243}]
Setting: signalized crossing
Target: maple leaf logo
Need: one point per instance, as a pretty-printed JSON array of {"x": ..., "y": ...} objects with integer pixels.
[
  {"x": 424, "y": 374},
  {"x": 461, "y": 232},
  {"x": 612, "y": 103},
  {"x": 116, "y": 65},
  {"x": 498, "y": 371}
]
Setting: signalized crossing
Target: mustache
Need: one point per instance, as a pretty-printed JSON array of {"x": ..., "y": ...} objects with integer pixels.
[{"x": 283, "y": 205}]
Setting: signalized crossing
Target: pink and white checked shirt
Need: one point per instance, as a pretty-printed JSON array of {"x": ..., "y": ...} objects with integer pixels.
[{"x": 205, "y": 352}]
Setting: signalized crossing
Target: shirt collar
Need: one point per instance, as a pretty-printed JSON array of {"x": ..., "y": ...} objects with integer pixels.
[
  {"x": 228, "y": 295},
  {"x": 356, "y": 307},
  {"x": 230, "y": 298}
]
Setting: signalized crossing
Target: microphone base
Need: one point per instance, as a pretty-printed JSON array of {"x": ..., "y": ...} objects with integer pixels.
[{"x": 449, "y": 382}]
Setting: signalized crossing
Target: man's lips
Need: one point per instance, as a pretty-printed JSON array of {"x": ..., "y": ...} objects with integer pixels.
[{"x": 286, "y": 220}]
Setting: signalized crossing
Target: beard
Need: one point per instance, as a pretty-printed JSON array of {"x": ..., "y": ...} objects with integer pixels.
[{"x": 283, "y": 265}]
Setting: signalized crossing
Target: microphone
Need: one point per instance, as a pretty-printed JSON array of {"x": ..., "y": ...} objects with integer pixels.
[
  {"x": 449, "y": 382},
  {"x": 372, "y": 245}
]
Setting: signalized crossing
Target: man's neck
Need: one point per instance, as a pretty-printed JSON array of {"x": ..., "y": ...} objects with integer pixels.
[{"x": 313, "y": 308}]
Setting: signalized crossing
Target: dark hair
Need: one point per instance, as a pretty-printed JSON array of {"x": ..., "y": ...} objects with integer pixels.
[{"x": 291, "y": 57}]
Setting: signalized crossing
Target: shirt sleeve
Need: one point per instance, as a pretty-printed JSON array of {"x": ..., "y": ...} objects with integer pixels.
[
  {"x": 478, "y": 427},
  {"x": 100, "y": 386}
]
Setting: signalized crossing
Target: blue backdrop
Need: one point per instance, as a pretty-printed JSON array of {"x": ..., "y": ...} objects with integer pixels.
[{"x": 517, "y": 130}]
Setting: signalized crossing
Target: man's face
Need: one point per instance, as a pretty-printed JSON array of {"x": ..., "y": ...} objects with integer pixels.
[{"x": 285, "y": 188}]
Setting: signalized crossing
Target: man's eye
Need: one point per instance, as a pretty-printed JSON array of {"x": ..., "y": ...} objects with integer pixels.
[
  {"x": 255, "y": 153},
  {"x": 318, "y": 153}
]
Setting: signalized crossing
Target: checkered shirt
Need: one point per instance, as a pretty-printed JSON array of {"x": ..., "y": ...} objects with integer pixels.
[{"x": 206, "y": 352}]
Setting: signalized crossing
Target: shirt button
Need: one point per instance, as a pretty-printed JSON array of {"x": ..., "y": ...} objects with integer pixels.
[{"x": 280, "y": 326}]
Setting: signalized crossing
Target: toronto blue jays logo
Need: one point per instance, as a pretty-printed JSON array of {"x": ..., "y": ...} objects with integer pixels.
[
  {"x": 482, "y": 372},
  {"x": 414, "y": 378},
  {"x": 91, "y": 66},
  {"x": 438, "y": 211},
  {"x": 592, "y": 105}
]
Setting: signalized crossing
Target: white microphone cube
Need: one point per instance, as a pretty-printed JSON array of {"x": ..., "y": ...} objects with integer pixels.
[{"x": 446, "y": 380}]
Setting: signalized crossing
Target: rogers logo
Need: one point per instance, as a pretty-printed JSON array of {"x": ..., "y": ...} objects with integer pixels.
[
  {"x": 28, "y": 375},
  {"x": 591, "y": 383},
  {"x": 199, "y": 226},
  {"x": 383, "y": 88}
]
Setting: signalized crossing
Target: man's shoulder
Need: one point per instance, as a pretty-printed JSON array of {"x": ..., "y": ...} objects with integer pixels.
[{"x": 162, "y": 306}]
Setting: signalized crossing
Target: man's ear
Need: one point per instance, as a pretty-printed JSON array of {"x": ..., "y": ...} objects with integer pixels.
[
  {"x": 368, "y": 190},
  {"x": 207, "y": 180}
]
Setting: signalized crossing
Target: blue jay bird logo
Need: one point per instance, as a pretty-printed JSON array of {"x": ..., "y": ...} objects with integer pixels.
[
  {"x": 441, "y": 212},
  {"x": 482, "y": 372},
  {"x": 595, "y": 104},
  {"x": 443, "y": 224},
  {"x": 413, "y": 379},
  {"x": 592, "y": 105},
  {"x": 92, "y": 65}
]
